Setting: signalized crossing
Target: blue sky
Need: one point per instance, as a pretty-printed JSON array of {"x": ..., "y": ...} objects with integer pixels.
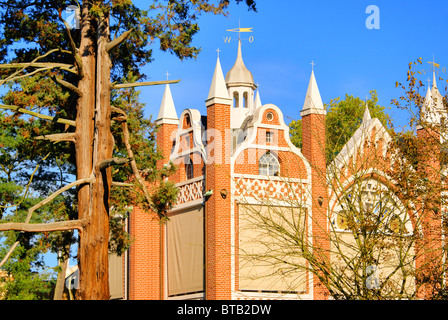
[{"x": 288, "y": 35}]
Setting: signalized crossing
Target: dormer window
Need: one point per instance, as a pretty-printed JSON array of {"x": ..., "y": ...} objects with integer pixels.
[
  {"x": 187, "y": 122},
  {"x": 268, "y": 165}
]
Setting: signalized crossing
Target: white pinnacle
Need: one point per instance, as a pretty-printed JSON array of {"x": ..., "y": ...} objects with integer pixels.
[
  {"x": 218, "y": 88},
  {"x": 313, "y": 101},
  {"x": 167, "y": 111}
]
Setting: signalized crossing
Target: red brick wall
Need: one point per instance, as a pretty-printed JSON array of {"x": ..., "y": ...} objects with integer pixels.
[
  {"x": 430, "y": 261},
  {"x": 217, "y": 209},
  {"x": 146, "y": 252},
  {"x": 313, "y": 139},
  {"x": 145, "y": 260}
]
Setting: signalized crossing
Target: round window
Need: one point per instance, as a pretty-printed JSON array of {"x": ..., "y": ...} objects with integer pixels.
[{"x": 270, "y": 116}]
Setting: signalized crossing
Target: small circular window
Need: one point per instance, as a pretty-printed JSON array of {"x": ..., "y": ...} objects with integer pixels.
[{"x": 270, "y": 116}]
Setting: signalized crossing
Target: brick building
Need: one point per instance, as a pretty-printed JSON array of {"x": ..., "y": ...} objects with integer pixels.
[{"x": 235, "y": 159}]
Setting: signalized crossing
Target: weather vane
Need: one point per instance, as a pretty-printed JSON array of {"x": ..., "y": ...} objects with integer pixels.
[
  {"x": 434, "y": 64},
  {"x": 239, "y": 30}
]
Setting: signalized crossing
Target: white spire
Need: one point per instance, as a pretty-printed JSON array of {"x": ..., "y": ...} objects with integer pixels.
[
  {"x": 167, "y": 111},
  {"x": 428, "y": 98},
  {"x": 436, "y": 96},
  {"x": 432, "y": 108},
  {"x": 313, "y": 101},
  {"x": 257, "y": 100},
  {"x": 367, "y": 115},
  {"x": 434, "y": 83},
  {"x": 218, "y": 89}
]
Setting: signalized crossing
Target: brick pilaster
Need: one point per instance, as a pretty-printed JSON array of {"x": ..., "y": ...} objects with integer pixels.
[
  {"x": 313, "y": 142},
  {"x": 217, "y": 209}
]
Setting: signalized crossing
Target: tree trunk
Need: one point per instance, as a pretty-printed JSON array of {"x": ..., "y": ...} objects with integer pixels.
[
  {"x": 60, "y": 282},
  {"x": 94, "y": 144}
]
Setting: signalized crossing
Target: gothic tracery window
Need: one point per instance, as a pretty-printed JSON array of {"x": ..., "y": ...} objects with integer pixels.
[{"x": 372, "y": 204}]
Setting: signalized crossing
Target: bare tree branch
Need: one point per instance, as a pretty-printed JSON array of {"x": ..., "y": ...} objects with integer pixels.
[
  {"x": 43, "y": 227},
  {"x": 15, "y": 76},
  {"x": 71, "y": 136},
  {"x": 141, "y": 84},
  {"x": 64, "y": 66},
  {"x": 38, "y": 115},
  {"x": 67, "y": 85},
  {"x": 42, "y": 203},
  {"x": 74, "y": 49},
  {"x": 121, "y": 184},
  {"x": 135, "y": 170},
  {"x": 118, "y": 40},
  {"x": 113, "y": 162}
]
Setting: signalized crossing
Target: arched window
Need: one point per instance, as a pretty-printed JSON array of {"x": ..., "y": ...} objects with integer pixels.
[
  {"x": 245, "y": 99},
  {"x": 236, "y": 100},
  {"x": 268, "y": 165},
  {"x": 371, "y": 205},
  {"x": 189, "y": 169}
]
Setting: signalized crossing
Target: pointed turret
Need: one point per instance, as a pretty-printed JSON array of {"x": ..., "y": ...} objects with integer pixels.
[
  {"x": 436, "y": 95},
  {"x": 313, "y": 148},
  {"x": 432, "y": 109},
  {"x": 257, "y": 100},
  {"x": 313, "y": 101},
  {"x": 167, "y": 111},
  {"x": 367, "y": 115},
  {"x": 218, "y": 91},
  {"x": 240, "y": 86},
  {"x": 239, "y": 75},
  {"x": 217, "y": 177}
]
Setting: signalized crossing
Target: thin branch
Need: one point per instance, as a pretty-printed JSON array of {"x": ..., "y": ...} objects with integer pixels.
[
  {"x": 71, "y": 136},
  {"x": 67, "y": 85},
  {"x": 118, "y": 110},
  {"x": 26, "y": 65},
  {"x": 55, "y": 194},
  {"x": 119, "y": 40},
  {"x": 141, "y": 84},
  {"x": 74, "y": 49},
  {"x": 42, "y": 203},
  {"x": 43, "y": 227},
  {"x": 113, "y": 162},
  {"x": 11, "y": 78},
  {"x": 66, "y": 66},
  {"x": 121, "y": 184},
  {"x": 135, "y": 170},
  {"x": 27, "y": 188},
  {"x": 38, "y": 115}
]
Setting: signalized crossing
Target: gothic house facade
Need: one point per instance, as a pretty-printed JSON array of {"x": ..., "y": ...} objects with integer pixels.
[{"x": 236, "y": 159}]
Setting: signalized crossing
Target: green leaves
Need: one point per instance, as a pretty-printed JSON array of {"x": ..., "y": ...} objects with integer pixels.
[{"x": 342, "y": 120}]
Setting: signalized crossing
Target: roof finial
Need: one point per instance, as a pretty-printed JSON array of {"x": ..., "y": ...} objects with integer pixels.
[
  {"x": 217, "y": 50},
  {"x": 312, "y": 65},
  {"x": 167, "y": 75}
]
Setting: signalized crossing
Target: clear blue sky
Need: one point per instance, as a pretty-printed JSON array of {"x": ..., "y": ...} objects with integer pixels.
[{"x": 288, "y": 35}]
